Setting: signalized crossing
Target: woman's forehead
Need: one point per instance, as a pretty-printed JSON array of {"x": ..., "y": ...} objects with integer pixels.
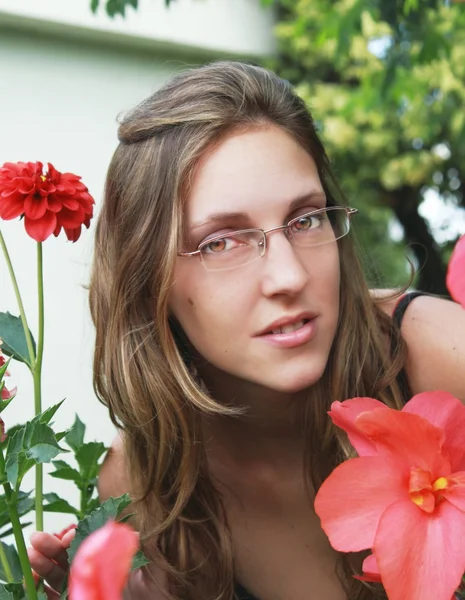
[{"x": 251, "y": 170}]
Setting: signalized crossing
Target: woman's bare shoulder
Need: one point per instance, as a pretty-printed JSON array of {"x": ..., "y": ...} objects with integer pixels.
[
  {"x": 113, "y": 478},
  {"x": 434, "y": 331}
]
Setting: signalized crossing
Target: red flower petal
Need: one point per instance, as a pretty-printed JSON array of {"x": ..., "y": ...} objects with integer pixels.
[
  {"x": 448, "y": 413},
  {"x": 352, "y": 499},
  {"x": 344, "y": 414},
  {"x": 35, "y": 207},
  {"x": 25, "y": 190},
  {"x": 11, "y": 207},
  {"x": 420, "y": 555},
  {"x": 40, "y": 229},
  {"x": 455, "y": 279},
  {"x": 408, "y": 438}
]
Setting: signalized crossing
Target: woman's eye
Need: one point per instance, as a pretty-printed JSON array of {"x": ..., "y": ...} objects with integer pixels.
[
  {"x": 219, "y": 245},
  {"x": 307, "y": 222}
]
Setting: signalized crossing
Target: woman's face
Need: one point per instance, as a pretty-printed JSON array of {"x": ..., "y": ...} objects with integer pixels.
[{"x": 260, "y": 178}]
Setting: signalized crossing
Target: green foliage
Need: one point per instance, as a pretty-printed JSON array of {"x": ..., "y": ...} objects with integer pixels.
[
  {"x": 14, "y": 341},
  {"x": 30, "y": 444},
  {"x": 88, "y": 457},
  {"x": 386, "y": 83},
  {"x": 118, "y": 7},
  {"x": 109, "y": 510}
]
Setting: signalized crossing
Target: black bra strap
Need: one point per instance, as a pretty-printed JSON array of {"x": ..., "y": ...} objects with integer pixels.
[{"x": 402, "y": 306}]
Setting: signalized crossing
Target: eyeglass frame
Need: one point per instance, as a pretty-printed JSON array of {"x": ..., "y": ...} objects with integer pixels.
[{"x": 198, "y": 252}]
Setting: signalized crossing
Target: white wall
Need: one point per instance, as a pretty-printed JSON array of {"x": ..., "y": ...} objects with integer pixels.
[
  {"x": 59, "y": 101},
  {"x": 231, "y": 26}
]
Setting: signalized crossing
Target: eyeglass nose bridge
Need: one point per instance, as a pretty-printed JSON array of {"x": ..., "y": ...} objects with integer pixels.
[{"x": 263, "y": 243}]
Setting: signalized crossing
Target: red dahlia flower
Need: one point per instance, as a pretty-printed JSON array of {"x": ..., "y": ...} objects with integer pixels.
[
  {"x": 49, "y": 202},
  {"x": 404, "y": 496}
]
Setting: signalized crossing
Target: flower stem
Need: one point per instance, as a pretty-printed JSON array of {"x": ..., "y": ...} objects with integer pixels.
[
  {"x": 5, "y": 565},
  {"x": 37, "y": 374},
  {"x": 18, "y": 535},
  {"x": 22, "y": 313}
]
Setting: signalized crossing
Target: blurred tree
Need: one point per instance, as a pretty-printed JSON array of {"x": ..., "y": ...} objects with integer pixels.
[{"x": 385, "y": 81}]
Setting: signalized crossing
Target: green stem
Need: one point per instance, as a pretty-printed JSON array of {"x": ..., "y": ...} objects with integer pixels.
[
  {"x": 5, "y": 565},
  {"x": 22, "y": 313},
  {"x": 19, "y": 537},
  {"x": 37, "y": 374}
]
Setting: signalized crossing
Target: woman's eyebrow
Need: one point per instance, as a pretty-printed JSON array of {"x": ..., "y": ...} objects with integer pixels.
[{"x": 240, "y": 216}]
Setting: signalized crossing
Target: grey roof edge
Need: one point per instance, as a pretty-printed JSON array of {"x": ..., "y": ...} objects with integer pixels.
[{"x": 110, "y": 38}]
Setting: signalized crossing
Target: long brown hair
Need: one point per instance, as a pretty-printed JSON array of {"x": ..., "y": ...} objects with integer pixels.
[{"x": 141, "y": 372}]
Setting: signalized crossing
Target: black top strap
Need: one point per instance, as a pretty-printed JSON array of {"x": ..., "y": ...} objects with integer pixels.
[{"x": 402, "y": 306}]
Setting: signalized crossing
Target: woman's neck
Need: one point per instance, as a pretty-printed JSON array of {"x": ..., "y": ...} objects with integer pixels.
[{"x": 269, "y": 429}]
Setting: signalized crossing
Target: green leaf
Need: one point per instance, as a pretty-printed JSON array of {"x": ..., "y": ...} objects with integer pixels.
[
  {"x": 15, "y": 455},
  {"x": 57, "y": 504},
  {"x": 75, "y": 436},
  {"x": 12, "y": 591},
  {"x": 14, "y": 340},
  {"x": 13, "y": 561},
  {"x": 110, "y": 509},
  {"x": 64, "y": 471},
  {"x": 94, "y": 5},
  {"x": 139, "y": 560},
  {"x": 42, "y": 445},
  {"x": 24, "y": 504},
  {"x": 5, "y": 594},
  {"x": 88, "y": 456},
  {"x": 47, "y": 415}
]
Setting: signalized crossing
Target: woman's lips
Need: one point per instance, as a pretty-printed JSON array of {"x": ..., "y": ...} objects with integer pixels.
[{"x": 292, "y": 339}]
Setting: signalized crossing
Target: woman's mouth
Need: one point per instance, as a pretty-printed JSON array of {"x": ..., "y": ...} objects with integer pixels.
[{"x": 291, "y": 335}]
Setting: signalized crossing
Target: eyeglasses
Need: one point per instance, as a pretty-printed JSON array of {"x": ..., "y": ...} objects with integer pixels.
[{"x": 237, "y": 248}]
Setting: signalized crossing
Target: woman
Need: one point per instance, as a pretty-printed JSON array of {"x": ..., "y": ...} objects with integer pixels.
[{"x": 230, "y": 311}]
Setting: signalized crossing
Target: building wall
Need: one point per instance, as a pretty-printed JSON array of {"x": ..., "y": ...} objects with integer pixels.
[{"x": 60, "y": 97}]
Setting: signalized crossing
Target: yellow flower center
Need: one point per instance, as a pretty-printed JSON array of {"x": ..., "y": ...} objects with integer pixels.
[{"x": 424, "y": 492}]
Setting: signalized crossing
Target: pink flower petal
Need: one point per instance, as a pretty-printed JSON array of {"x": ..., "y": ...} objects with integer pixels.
[
  {"x": 406, "y": 437},
  {"x": 455, "y": 279},
  {"x": 448, "y": 413},
  {"x": 455, "y": 491},
  {"x": 343, "y": 415},
  {"x": 101, "y": 566},
  {"x": 420, "y": 555},
  {"x": 370, "y": 570},
  {"x": 352, "y": 499}
]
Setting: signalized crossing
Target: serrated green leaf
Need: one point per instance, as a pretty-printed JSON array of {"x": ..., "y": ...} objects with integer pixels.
[
  {"x": 57, "y": 504},
  {"x": 110, "y": 509},
  {"x": 47, "y": 415},
  {"x": 75, "y": 436},
  {"x": 42, "y": 446},
  {"x": 64, "y": 471},
  {"x": 13, "y": 561},
  {"x": 15, "y": 455},
  {"x": 14, "y": 340},
  {"x": 88, "y": 456}
]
